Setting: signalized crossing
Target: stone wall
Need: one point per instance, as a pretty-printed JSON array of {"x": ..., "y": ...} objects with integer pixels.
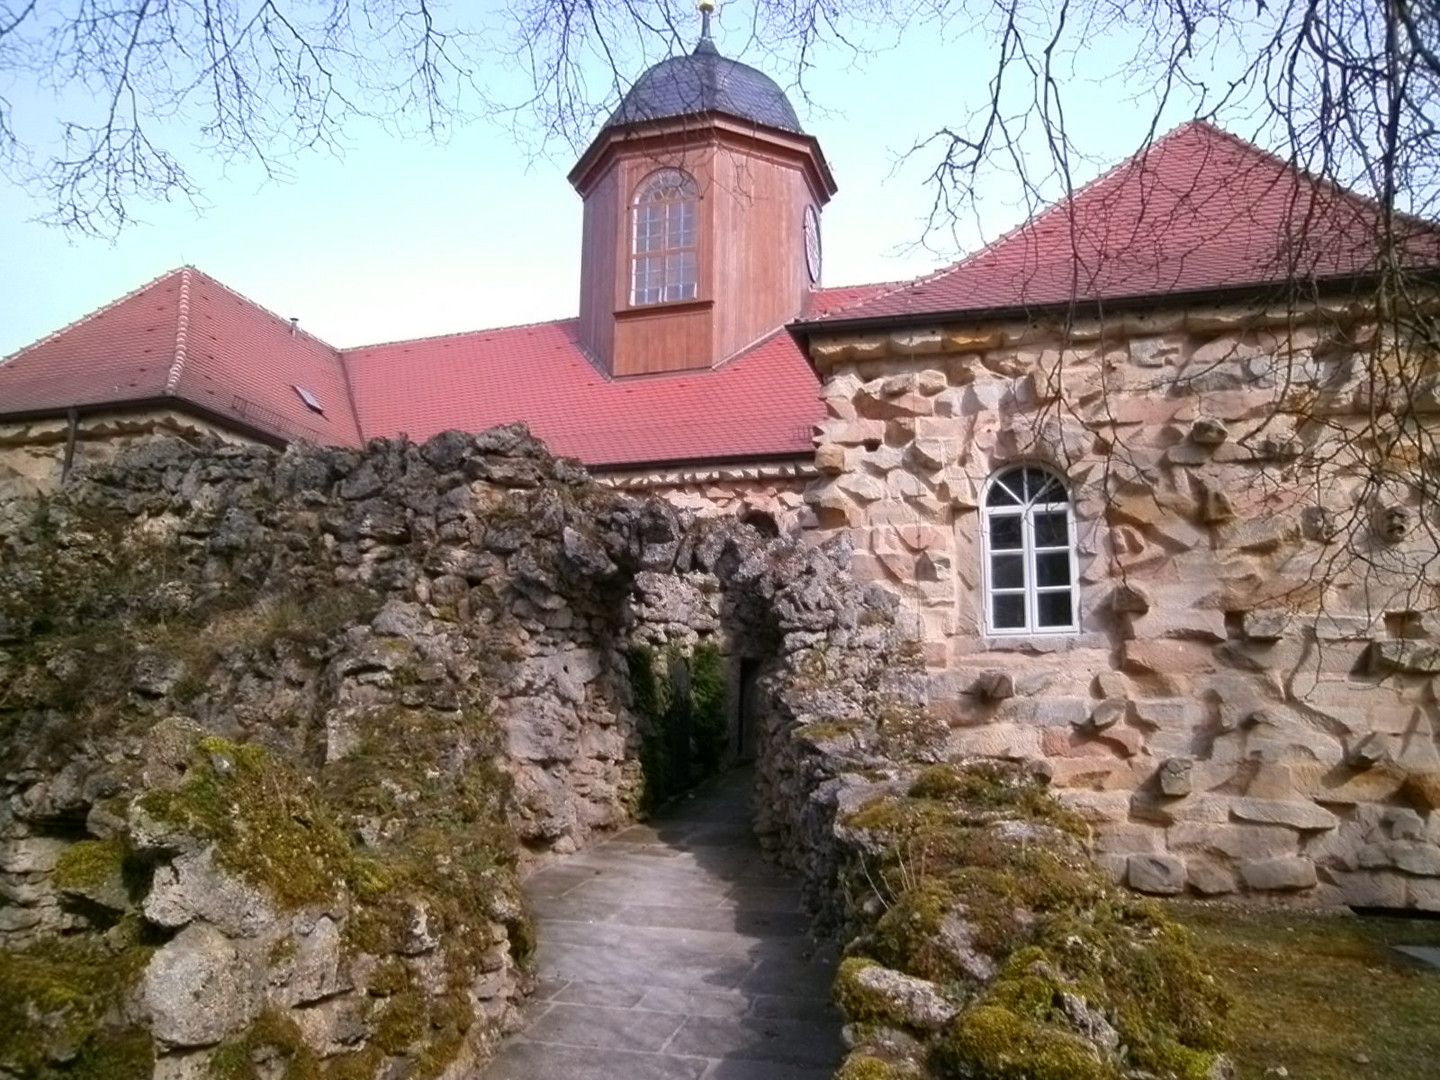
[
  {"x": 741, "y": 491},
  {"x": 1247, "y": 705},
  {"x": 33, "y": 452},
  {"x": 279, "y": 729}
]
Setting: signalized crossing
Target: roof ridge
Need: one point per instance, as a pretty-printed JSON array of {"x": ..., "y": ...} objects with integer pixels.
[
  {"x": 1101, "y": 182},
  {"x": 1069, "y": 200},
  {"x": 101, "y": 310},
  {"x": 1304, "y": 174},
  {"x": 182, "y": 333},
  {"x": 458, "y": 333},
  {"x": 286, "y": 323}
]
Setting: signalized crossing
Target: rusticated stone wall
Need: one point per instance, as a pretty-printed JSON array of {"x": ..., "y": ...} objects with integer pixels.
[{"x": 1248, "y": 704}]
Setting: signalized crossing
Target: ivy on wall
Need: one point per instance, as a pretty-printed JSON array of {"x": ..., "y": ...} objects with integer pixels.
[{"x": 679, "y": 699}]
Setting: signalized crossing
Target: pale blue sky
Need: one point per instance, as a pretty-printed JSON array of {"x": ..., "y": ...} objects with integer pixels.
[{"x": 403, "y": 238}]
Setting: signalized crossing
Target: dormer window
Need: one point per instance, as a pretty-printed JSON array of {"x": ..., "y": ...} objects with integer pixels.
[{"x": 664, "y": 262}]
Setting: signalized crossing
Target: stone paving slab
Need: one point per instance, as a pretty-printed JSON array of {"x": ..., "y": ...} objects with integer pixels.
[{"x": 675, "y": 952}]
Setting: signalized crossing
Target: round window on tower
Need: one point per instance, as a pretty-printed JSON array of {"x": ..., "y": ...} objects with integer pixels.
[{"x": 812, "y": 243}]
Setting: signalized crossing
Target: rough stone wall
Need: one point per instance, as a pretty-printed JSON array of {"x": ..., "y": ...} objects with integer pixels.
[
  {"x": 373, "y": 639},
  {"x": 32, "y": 452},
  {"x": 776, "y": 491},
  {"x": 1247, "y": 705}
]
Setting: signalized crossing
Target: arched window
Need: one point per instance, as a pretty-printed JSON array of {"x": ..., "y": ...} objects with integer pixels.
[
  {"x": 664, "y": 264},
  {"x": 1029, "y": 553}
]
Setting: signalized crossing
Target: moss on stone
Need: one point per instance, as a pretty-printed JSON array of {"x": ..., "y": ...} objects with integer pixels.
[
  {"x": 992, "y": 1043},
  {"x": 984, "y": 788},
  {"x": 826, "y": 730},
  {"x": 267, "y": 821},
  {"x": 272, "y": 1039},
  {"x": 860, "y": 1003},
  {"x": 59, "y": 1001},
  {"x": 91, "y": 864},
  {"x": 708, "y": 692},
  {"x": 860, "y": 1065},
  {"x": 976, "y": 860}
]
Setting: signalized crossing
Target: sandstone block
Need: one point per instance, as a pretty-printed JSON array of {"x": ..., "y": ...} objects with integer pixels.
[
  {"x": 854, "y": 432},
  {"x": 1130, "y": 840},
  {"x": 1167, "y": 657},
  {"x": 1270, "y": 875},
  {"x": 931, "y": 382},
  {"x": 1061, "y": 711},
  {"x": 1296, "y": 814},
  {"x": 1209, "y": 878},
  {"x": 1159, "y": 875},
  {"x": 1174, "y": 776},
  {"x": 1371, "y": 890},
  {"x": 830, "y": 459},
  {"x": 1237, "y": 841},
  {"x": 861, "y": 487}
]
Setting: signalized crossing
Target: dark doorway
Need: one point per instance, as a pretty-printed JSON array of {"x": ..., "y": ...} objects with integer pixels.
[{"x": 748, "y": 710}]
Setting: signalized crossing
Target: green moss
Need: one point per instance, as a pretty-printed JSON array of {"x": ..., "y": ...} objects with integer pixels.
[
  {"x": 982, "y": 851},
  {"x": 861, "y": 1004},
  {"x": 59, "y": 999},
  {"x": 992, "y": 1043},
  {"x": 355, "y": 1065},
  {"x": 824, "y": 731},
  {"x": 707, "y": 688},
  {"x": 650, "y": 698},
  {"x": 400, "y": 1022},
  {"x": 862, "y": 1066},
  {"x": 268, "y": 822},
  {"x": 985, "y": 788},
  {"x": 273, "y": 1039},
  {"x": 91, "y": 864},
  {"x": 657, "y": 713}
]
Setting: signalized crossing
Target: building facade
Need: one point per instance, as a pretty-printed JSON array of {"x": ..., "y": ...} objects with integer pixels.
[{"x": 1150, "y": 475}]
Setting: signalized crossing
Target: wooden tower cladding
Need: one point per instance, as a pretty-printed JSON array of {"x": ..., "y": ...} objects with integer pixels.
[{"x": 666, "y": 286}]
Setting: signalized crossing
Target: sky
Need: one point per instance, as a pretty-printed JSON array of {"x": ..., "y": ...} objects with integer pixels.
[{"x": 402, "y": 238}]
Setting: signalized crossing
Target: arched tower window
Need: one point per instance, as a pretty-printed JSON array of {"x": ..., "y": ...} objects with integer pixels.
[
  {"x": 664, "y": 261},
  {"x": 1029, "y": 548}
]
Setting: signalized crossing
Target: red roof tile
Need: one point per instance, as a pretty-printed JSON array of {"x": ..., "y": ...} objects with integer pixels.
[
  {"x": 762, "y": 404},
  {"x": 1198, "y": 210},
  {"x": 186, "y": 336}
]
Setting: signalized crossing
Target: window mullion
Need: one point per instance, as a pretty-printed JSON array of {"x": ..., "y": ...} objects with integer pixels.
[{"x": 1027, "y": 541}]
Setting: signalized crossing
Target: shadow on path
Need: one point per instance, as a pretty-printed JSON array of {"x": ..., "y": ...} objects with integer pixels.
[{"x": 675, "y": 951}]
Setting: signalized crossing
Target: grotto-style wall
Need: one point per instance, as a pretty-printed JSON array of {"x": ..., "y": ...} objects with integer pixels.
[
  {"x": 279, "y": 730},
  {"x": 1247, "y": 704}
]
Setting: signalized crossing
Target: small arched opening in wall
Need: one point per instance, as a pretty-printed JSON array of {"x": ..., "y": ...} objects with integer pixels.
[{"x": 762, "y": 521}]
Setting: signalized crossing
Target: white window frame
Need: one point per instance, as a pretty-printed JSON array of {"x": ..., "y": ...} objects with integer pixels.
[
  {"x": 1026, "y": 511},
  {"x": 665, "y": 239}
]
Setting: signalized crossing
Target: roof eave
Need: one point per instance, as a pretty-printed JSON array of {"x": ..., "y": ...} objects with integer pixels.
[
  {"x": 175, "y": 403},
  {"x": 801, "y": 330},
  {"x": 730, "y": 461},
  {"x": 691, "y": 124}
]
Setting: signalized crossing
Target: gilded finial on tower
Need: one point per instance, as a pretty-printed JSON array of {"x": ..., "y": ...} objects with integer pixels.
[{"x": 706, "y": 8}]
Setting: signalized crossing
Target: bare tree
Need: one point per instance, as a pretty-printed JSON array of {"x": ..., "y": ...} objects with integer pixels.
[{"x": 139, "y": 86}]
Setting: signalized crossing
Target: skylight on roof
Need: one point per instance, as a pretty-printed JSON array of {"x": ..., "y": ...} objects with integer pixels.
[{"x": 308, "y": 397}]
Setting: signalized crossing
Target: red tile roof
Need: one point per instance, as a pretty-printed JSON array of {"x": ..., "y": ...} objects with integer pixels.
[
  {"x": 1198, "y": 210},
  {"x": 186, "y": 337},
  {"x": 763, "y": 403}
]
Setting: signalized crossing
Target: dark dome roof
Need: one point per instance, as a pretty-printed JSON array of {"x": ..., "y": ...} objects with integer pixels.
[{"x": 705, "y": 81}]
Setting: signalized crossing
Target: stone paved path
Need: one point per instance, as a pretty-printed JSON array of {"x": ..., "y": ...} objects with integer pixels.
[{"x": 674, "y": 951}]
